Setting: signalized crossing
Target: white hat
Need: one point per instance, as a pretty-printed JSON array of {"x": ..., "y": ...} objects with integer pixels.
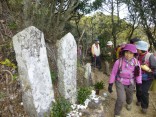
[
  {"x": 109, "y": 43},
  {"x": 123, "y": 43},
  {"x": 142, "y": 45}
]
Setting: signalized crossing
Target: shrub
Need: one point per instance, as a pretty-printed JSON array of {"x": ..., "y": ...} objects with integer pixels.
[
  {"x": 60, "y": 108},
  {"x": 12, "y": 25},
  {"x": 99, "y": 85},
  {"x": 83, "y": 94}
]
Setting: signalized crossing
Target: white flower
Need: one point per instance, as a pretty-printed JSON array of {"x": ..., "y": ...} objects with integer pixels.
[
  {"x": 22, "y": 103},
  {"x": 80, "y": 114},
  {"x": 73, "y": 106},
  {"x": 86, "y": 102}
]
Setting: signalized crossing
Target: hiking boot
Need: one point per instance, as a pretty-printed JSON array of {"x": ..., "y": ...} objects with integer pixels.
[
  {"x": 117, "y": 116},
  {"x": 144, "y": 110},
  {"x": 138, "y": 103},
  {"x": 128, "y": 107}
]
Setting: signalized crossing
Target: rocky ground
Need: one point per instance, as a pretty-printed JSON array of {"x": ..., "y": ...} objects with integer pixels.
[
  {"x": 11, "y": 104},
  {"x": 135, "y": 112}
]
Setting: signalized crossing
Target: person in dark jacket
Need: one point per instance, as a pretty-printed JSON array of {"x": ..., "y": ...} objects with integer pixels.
[
  {"x": 107, "y": 56},
  {"x": 147, "y": 78},
  {"x": 134, "y": 40}
]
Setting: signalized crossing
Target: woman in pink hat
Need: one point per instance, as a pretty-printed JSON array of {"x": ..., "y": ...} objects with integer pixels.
[{"x": 125, "y": 73}]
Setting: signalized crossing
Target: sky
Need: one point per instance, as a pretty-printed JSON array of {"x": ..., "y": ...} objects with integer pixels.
[{"x": 122, "y": 12}]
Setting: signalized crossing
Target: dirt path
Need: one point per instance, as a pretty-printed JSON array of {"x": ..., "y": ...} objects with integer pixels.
[{"x": 135, "y": 112}]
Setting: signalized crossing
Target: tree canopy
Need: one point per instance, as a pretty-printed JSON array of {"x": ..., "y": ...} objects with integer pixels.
[{"x": 57, "y": 17}]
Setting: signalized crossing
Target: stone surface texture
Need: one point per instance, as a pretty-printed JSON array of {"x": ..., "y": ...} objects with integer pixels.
[{"x": 34, "y": 72}]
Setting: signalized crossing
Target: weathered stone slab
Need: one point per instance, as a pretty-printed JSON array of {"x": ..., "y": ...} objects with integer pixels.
[
  {"x": 88, "y": 75},
  {"x": 67, "y": 67},
  {"x": 34, "y": 73}
]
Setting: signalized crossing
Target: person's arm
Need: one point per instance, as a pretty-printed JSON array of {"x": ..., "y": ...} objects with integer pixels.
[
  {"x": 92, "y": 50},
  {"x": 139, "y": 78},
  {"x": 99, "y": 50},
  {"x": 114, "y": 71},
  {"x": 113, "y": 76}
]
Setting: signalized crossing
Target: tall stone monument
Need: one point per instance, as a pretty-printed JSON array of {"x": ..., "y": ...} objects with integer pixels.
[
  {"x": 67, "y": 67},
  {"x": 34, "y": 73}
]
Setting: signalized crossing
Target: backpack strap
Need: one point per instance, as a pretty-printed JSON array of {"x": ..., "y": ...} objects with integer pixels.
[
  {"x": 135, "y": 62},
  {"x": 148, "y": 61},
  {"x": 152, "y": 61},
  {"x": 119, "y": 67},
  {"x": 146, "y": 58},
  {"x": 120, "y": 63}
]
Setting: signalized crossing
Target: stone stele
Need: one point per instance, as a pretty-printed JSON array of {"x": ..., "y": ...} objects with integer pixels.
[
  {"x": 34, "y": 72},
  {"x": 67, "y": 67}
]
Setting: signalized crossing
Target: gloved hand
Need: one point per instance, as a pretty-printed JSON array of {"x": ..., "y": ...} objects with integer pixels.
[
  {"x": 136, "y": 71},
  {"x": 110, "y": 88}
]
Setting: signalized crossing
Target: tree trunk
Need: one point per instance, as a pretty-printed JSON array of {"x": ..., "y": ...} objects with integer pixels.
[
  {"x": 1, "y": 10},
  {"x": 113, "y": 28}
]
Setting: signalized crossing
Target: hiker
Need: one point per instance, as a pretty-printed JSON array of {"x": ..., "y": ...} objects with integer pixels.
[
  {"x": 147, "y": 77},
  {"x": 95, "y": 50},
  {"x": 119, "y": 50},
  {"x": 107, "y": 55},
  {"x": 153, "y": 85},
  {"x": 134, "y": 40},
  {"x": 79, "y": 54},
  {"x": 125, "y": 73}
]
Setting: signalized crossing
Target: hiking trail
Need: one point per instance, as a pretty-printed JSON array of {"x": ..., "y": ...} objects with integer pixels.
[{"x": 135, "y": 111}]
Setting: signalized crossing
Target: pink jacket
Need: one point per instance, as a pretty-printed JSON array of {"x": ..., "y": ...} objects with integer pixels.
[{"x": 126, "y": 76}]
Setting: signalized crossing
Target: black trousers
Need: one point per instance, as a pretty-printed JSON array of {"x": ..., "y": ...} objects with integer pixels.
[
  {"x": 143, "y": 96},
  {"x": 96, "y": 61}
]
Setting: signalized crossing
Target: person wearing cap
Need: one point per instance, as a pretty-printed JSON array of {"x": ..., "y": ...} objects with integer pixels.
[
  {"x": 126, "y": 71},
  {"x": 107, "y": 56},
  {"x": 119, "y": 50},
  {"x": 143, "y": 57},
  {"x": 95, "y": 50},
  {"x": 153, "y": 85},
  {"x": 134, "y": 40},
  {"x": 79, "y": 54}
]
